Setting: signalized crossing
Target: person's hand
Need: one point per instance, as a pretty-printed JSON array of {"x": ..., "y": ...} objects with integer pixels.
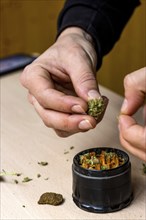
[
  {"x": 133, "y": 135},
  {"x": 61, "y": 81}
]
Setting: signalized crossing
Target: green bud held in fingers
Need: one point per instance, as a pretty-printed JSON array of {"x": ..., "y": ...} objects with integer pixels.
[{"x": 95, "y": 107}]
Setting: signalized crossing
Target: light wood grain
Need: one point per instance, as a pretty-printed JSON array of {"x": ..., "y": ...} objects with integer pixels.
[{"x": 25, "y": 141}]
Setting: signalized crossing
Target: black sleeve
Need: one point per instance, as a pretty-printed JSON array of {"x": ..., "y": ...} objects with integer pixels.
[{"x": 104, "y": 20}]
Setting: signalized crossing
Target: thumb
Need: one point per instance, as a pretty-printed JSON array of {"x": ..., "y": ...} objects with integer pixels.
[
  {"x": 135, "y": 90},
  {"x": 83, "y": 78},
  {"x": 85, "y": 83}
]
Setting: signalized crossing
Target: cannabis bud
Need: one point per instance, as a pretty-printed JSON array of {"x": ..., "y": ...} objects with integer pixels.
[
  {"x": 51, "y": 198},
  {"x": 96, "y": 107}
]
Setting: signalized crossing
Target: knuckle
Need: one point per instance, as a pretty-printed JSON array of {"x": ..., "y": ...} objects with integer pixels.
[
  {"x": 76, "y": 51},
  {"x": 24, "y": 75},
  {"x": 86, "y": 77},
  {"x": 126, "y": 79},
  {"x": 65, "y": 125},
  {"x": 62, "y": 134},
  {"x": 129, "y": 80},
  {"x": 46, "y": 120},
  {"x": 61, "y": 124}
]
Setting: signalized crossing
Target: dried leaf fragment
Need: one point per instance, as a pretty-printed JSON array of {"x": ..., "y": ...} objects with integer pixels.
[
  {"x": 72, "y": 147},
  {"x": 4, "y": 173},
  {"x": 16, "y": 181},
  {"x": 66, "y": 152},
  {"x": 43, "y": 163},
  {"x": 51, "y": 198},
  {"x": 26, "y": 179}
]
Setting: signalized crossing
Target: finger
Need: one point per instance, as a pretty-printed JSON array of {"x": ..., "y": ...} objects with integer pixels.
[
  {"x": 83, "y": 78},
  {"x": 36, "y": 79},
  {"x": 82, "y": 73},
  {"x": 40, "y": 85},
  {"x": 67, "y": 91},
  {"x": 144, "y": 113},
  {"x": 135, "y": 90},
  {"x": 64, "y": 122},
  {"x": 134, "y": 151},
  {"x": 132, "y": 136},
  {"x": 64, "y": 134},
  {"x": 30, "y": 98},
  {"x": 132, "y": 132},
  {"x": 56, "y": 100}
]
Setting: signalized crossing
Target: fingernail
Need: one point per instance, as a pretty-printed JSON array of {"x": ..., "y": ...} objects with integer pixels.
[
  {"x": 85, "y": 125},
  {"x": 93, "y": 94},
  {"x": 78, "y": 109},
  {"x": 124, "y": 106}
]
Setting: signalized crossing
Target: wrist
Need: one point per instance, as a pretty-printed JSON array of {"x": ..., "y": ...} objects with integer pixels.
[{"x": 78, "y": 31}]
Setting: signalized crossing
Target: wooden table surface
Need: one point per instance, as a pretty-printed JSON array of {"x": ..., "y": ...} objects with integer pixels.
[{"x": 25, "y": 141}]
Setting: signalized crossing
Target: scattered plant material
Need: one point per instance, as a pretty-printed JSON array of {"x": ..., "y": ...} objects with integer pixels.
[
  {"x": 43, "y": 163},
  {"x": 2, "y": 179},
  {"x": 51, "y": 198},
  {"x": 66, "y": 152},
  {"x": 96, "y": 107},
  {"x": 103, "y": 161},
  {"x": 72, "y": 147},
  {"x": 4, "y": 173},
  {"x": 26, "y": 179},
  {"x": 18, "y": 174},
  {"x": 16, "y": 181}
]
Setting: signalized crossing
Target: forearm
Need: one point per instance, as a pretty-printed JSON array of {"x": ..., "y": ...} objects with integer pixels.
[{"x": 103, "y": 20}]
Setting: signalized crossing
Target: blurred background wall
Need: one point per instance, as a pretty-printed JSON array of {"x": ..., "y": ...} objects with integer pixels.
[{"x": 30, "y": 26}]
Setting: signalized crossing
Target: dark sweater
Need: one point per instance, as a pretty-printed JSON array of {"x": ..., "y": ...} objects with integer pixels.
[{"x": 104, "y": 20}]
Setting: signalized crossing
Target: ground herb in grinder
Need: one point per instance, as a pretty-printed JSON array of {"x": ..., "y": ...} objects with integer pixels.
[{"x": 103, "y": 161}]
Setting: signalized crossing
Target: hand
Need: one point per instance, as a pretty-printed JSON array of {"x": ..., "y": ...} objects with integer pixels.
[
  {"x": 133, "y": 135},
  {"x": 61, "y": 81}
]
